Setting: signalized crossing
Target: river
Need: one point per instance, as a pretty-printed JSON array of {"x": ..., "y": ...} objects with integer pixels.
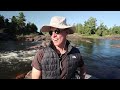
[{"x": 101, "y": 59}]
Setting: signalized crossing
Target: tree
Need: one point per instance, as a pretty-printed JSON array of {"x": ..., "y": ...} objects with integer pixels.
[
  {"x": 2, "y": 25},
  {"x": 116, "y": 29},
  {"x": 14, "y": 25},
  {"x": 21, "y": 20},
  {"x": 90, "y": 26},
  {"x": 31, "y": 28},
  {"x": 6, "y": 22},
  {"x": 79, "y": 29},
  {"x": 34, "y": 28},
  {"x": 102, "y": 30}
]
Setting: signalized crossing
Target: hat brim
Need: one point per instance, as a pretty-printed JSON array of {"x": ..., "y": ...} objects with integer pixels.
[{"x": 46, "y": 28}]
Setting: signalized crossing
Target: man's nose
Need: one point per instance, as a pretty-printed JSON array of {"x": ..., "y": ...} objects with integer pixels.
[{"x": 54, "y": 34}]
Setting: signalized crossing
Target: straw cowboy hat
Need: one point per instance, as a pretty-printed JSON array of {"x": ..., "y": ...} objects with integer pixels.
[{"x": 58, "y": 22}]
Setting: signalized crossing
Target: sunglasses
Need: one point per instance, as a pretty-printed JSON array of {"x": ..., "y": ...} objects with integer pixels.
[{"x": 57, "y": 31}]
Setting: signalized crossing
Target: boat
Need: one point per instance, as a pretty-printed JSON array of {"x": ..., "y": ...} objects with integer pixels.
[{"x": 28, "y": 76}]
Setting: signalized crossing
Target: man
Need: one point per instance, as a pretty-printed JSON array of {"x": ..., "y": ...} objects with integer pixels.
[{"x": 58, "y": 60}]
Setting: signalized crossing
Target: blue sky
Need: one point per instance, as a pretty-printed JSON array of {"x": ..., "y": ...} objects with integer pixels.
[{"x": 39, "y": 18}]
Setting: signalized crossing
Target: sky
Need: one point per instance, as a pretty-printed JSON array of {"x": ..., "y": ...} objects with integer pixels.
[{"x": 39, "y": 18}]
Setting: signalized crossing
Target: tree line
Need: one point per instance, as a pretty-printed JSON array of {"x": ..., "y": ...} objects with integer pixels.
[
  {"x": 16, "y": 25},
  {"x": 90, "y": 27}
]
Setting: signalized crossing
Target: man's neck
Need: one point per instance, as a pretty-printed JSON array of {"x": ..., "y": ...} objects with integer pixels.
[{"x": 61, "y": 49}]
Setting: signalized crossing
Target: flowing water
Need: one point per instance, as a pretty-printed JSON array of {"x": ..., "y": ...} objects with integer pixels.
[
  {"x": 15, "y": 58},
  {"x": 101, "y": 59}
]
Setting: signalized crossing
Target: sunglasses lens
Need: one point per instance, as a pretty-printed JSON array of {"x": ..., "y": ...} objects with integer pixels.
[
  {"x": 56, "y": 31},
  {"x": 50, "y": 32}
]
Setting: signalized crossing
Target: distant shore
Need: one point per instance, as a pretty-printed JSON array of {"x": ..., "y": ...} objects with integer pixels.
[
  {"x": 77, "y": 36},
  {"x": 73, "y": 38}
]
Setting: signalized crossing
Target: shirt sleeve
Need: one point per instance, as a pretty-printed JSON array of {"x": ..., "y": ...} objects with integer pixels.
[{"x": 36, "y": 62}]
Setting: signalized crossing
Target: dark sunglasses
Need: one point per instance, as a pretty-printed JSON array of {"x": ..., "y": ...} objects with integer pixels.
[{"x": 57, "y": 31}]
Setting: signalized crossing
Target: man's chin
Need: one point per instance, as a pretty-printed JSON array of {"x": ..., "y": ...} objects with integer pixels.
[{"x": 57, "y": 44}]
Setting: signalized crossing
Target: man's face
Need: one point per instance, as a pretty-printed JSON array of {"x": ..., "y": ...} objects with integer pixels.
[{"x": 58, "y": 36}]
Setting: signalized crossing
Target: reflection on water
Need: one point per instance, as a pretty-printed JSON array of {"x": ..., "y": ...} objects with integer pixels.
[{"x": 102, "y": 60}]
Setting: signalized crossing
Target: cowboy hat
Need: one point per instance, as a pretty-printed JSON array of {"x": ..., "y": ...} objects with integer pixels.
[{"x": 58, "y": 22}]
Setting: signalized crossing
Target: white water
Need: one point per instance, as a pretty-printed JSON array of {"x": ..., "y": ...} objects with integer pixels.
[{"x": 17, "y": 55}]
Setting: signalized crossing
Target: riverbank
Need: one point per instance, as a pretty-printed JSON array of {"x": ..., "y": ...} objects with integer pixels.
[
  {"x": 111, "y": 37},
  {"x": 41, "y": 36},
  {"x": 72, "y": 37}
]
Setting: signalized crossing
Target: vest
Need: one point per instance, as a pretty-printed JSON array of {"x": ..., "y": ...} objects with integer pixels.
[{"x": 51, "y": 65}]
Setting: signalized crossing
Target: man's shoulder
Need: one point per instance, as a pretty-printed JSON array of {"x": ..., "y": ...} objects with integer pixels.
[{"x": 75, "y": 49}]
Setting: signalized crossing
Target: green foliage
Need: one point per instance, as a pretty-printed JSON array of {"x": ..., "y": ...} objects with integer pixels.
[
  {"x": 17, "y": 26},
  {"x": 2, "y": 24},
  {"x": 102, "y": 30},
  {"x": 21, "y": 20},
  {"x": 30, "y": 28},
  {"x": 115, "y": 29},
  {"x": 90, "y": 28},
  {"x": 79, "y": 29}
]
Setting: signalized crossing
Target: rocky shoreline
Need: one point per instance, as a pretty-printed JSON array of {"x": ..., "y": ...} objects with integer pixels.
[{"x": 72, "y": 37}]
